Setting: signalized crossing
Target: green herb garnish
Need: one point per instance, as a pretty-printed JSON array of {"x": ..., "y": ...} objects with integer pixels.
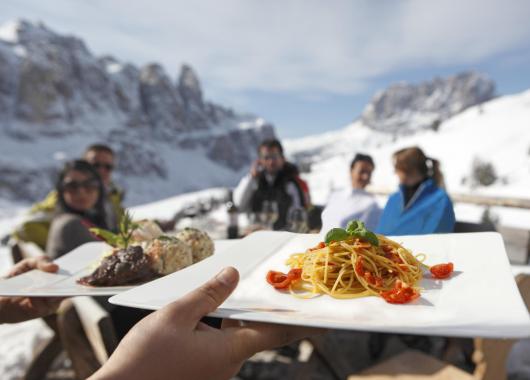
[
  {"x": 337, "y": 234},
  {"x": 124, "y": 235},
  {"x": 356, "y": 229}
]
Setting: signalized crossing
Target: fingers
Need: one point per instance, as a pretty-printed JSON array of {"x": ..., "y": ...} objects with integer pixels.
[
  {"x": 257, "y": 337},
  {"x": 22, "y": 267},
  {"x": 42, "y": 263},
  {"x": 195, "y": 305}
]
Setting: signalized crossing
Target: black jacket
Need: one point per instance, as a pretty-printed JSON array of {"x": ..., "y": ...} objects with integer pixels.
[{"x": 277, "y": 192}]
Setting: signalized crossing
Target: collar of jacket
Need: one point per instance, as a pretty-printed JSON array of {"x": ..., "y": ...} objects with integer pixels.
[{"x": 427, "y": 184}]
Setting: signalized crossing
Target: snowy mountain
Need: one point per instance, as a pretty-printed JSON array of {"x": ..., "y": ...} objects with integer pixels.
[
  {"x": 405, "y": 108},
  {"x": 56, "y": 98},
  {"x": 496, "y": 132}
]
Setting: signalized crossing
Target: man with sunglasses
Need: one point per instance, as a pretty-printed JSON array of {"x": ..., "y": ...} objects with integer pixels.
[
  {"x": 271, "y": 180},
  {"x": 102, "y": 158}
]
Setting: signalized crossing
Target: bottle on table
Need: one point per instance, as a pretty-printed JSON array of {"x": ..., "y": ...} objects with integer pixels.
[{"x": 233, "y": 217}]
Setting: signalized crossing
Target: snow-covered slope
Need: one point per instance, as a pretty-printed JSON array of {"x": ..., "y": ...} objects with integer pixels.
[
  {"x": 497, "y": 132},
  {"x": 56, "y": 97}
]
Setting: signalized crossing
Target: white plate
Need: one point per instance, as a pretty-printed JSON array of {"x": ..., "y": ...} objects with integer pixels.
[
  {"x": 481, "y": 298},
  {"x": 74, "y": 265}
]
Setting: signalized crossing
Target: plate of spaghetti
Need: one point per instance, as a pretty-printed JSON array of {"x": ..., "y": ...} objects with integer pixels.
[
  {"x": 354, "y": 263},
  {"x": 443, "y": 284}
]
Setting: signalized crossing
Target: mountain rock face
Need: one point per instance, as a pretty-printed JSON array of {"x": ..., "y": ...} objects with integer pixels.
[
  {"x": 56, "y": 97},
  {"x": 404, "y": 108}
]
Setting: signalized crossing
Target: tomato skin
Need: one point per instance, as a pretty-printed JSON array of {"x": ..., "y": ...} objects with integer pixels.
[
  {"x": 402, "y": 293},
  {"x": 441, "y": 271},
  {"x": 295, "y": 274},
  {"x": 278, "y": 280},
  {"x": 281, "y": 280}
]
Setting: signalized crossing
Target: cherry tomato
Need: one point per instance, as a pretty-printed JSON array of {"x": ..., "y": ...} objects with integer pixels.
[
  {"x": 442, "y": 271},
  {"x": 402, "y": 293},
  {"x": 295, "y": 274},
  {"x": 281, "y": 280},
  {"x": 278, "y": 279}
]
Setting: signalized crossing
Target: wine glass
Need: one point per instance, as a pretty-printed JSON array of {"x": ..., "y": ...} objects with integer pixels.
[
  {"x": 297, "y": 220},
  {"x": 269, "y": 214}
]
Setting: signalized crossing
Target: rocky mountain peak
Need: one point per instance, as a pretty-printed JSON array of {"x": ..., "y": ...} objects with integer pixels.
[
  {"x": 58, "y": 96},
  {"x": 34, "y": 34},
  {"x": 189, "y": 85},
  {"x": 404, "y": 108}
]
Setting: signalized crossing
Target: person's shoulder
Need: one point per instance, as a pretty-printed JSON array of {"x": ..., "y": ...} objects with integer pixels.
[
  {"x": 337, "y": 196},
  {"x": 442, "y": 194},
  {"x": 66, "y": 220},
  {"x": 394, "y": 196},
  {"x": 47, "y": 204},
  {"x": 290, "y": 169},
  {"x": 367, "y": 195}
]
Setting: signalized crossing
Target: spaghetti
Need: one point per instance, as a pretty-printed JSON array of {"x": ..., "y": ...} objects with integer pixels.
[{"x": 354, "y": 267}]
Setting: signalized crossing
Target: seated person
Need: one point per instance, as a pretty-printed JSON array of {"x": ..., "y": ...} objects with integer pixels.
[
  {"x": 421, "y": 205},
  {"x": 80, "y": 198},
  {"x": 271, "y": 179},
  {"x": 102, "y": 158},
  {"x": 355, "y": 203},
  {"x": 36, "y": 227}
]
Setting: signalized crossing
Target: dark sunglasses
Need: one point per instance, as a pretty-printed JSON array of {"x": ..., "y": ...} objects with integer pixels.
[
  {"x": 272, "y": 157},
  {"x": 107, "y": 167},
  {"x": 89, "y": 185}
]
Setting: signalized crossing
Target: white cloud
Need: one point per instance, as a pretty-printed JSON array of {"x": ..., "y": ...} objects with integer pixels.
[{"x": 299, "y": 46}]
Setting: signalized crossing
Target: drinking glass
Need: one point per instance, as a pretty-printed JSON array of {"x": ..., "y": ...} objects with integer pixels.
[{"x": 269, "y": 214}]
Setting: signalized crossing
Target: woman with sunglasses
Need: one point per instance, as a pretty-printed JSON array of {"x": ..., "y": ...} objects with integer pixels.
[{"x": 80, "y": 195}]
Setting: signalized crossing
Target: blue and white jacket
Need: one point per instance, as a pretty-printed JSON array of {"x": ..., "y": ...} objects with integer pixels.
[{"x": 429, "y": 211}]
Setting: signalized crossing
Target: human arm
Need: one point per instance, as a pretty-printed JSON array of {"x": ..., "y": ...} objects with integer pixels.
[
  {"x": 172, "y": 342},
  {"x": 19, "y": 309},
  {"x": 243, "y": 192}
]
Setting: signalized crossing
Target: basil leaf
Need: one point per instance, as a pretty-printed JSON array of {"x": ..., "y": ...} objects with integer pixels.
[
  {"x": 109, "y": 237},
  {"x": 354, "y": 226},
  {"x": 357, "y": 229},
  {"x": 336, "y": 234}
]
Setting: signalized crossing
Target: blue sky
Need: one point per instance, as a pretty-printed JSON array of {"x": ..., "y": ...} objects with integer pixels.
[{"x": 308, "y": 66}]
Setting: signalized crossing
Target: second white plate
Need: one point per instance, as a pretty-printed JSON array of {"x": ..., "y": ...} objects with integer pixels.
[{"x": 481, "y": 298}]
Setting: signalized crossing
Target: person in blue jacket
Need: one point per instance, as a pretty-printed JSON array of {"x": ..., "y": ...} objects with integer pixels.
[{"x": 421, "y": 206}]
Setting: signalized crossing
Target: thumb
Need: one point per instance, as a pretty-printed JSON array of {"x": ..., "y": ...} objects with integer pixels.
[
  {"x": 47, "y": 266},
  {"x": 205, "y": 299}
]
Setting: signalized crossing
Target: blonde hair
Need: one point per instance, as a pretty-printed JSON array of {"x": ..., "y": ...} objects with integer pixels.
[{"x": 410, "y": 160}]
